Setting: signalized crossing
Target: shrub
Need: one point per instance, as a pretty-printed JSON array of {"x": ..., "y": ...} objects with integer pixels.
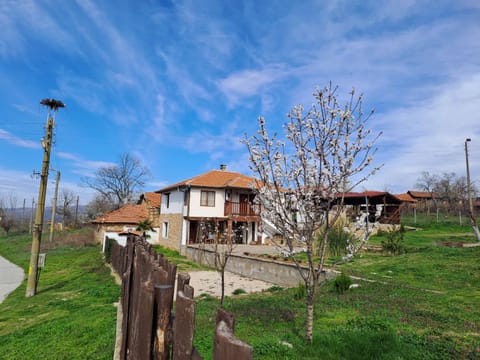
[
  {"x": 108, "y": 249},
  {"x": 239, "y": 291},
  {"x": 342, "y": 283},
  {"x": 393, "y": 244},
  {"x": 274, "y": 288},
  {"x": 300, "y": 292},
  {"x": 338, "y": 239}
]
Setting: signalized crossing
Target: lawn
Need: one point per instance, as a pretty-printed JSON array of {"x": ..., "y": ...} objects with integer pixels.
[
  {"x": 73, "y": 314},
  {"x": 422, "y": 304},
  {"x": 419, "y": 305}
]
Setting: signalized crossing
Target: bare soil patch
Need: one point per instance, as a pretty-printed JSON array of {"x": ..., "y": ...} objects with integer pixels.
[{"x": 209, "y": 282}]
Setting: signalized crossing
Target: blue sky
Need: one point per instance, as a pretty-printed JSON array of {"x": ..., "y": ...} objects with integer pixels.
[{"x": 178, "y": 83}]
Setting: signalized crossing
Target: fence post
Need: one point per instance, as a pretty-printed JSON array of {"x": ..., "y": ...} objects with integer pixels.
[
  {"x": 141, "y": 316},
  {"x": 225, "y": 344},
  {"x": 126, "y": 290},
  {"x": 184, "y": 324},
  {"x": 164, "y": 291},
  {"x": 145, "y": 310}
]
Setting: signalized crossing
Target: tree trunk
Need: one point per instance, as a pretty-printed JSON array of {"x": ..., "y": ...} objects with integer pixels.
[
  {"x": 309, "y": 320},
  {"x": 477, "y": 232},
  {"x": 222, "y": 274}
]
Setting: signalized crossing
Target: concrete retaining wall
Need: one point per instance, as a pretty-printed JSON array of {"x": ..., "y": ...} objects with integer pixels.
[{"x": 273, "y": 271}]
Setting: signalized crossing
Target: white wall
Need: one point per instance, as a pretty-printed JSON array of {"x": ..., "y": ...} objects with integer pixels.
[
  {"x": 207, "y": 211},
  {"x": 122, "y": 239},
  {"x": 175, "y": 203}
]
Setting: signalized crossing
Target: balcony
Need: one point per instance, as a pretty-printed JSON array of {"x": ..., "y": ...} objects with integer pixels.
[{"x": 241, "y": 209}]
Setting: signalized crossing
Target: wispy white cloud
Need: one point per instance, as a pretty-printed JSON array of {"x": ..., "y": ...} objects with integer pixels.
[
  {"x": 88, "y": 93},
  {"x": 12, "y": 139},
  {"x": 247, "y": 83},
  {"x": 430, "y": 135},
  {"x": 81, "y": 166},
  {"x": 19, "y": 184},
  {"x": 187, "y": 87},
  {"x": 184, "y": 80}
]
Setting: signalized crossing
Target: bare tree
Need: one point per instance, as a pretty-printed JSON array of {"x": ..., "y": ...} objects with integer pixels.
[
  {"x": 8, "y": 218},
  {"x": 97, "y": 206},
  {"x": 447, "y": 188},
  {"x": 214, "y": 236},
  {"x": 427, "y": 182},
  {"x": 452, "y": 189},
  {"x": 326, "y": 152},
  {"x": 119, "y": 183},
  {"x": 65, "y": 203}
]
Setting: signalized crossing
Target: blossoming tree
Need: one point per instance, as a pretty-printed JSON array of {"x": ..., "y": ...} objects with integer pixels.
[{"x": 327, "y": 151}]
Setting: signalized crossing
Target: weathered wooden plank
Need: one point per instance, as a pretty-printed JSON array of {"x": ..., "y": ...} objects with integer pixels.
[
  {"x": 184, "y": 327},
  {"x": 163, "y": 336},
  {"x": 125, "y": 294},
  {"x": 182, "y": 280},
  {"x": 225, "y": 344},
  {"x": 141, "y": 339},
  {"x": 148, "y": 282}
]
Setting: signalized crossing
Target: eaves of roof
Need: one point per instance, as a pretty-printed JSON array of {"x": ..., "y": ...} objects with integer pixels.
[
  {"x": 215, "y": 179},
  {"x": 128, "y": 214}
]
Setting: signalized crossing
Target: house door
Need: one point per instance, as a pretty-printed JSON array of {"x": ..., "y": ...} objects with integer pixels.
[{"x": 192, "y": 236}]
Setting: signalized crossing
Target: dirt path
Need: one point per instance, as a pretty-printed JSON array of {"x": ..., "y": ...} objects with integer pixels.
[{"x": 208, "y": 282}]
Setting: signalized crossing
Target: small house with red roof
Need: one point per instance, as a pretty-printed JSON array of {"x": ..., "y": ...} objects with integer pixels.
[
  {"x": 219, "y": 198},
  {"x": 381, "y": 207},
  {"x": 424, "y": 199},
  {"x": 119, "y": 223}
]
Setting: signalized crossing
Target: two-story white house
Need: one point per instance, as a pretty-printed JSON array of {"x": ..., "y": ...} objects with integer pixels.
[{"x": 219, "y": 199}]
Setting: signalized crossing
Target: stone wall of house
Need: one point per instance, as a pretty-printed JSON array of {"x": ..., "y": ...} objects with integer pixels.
[
  {"x": 98, "y": 234},
  {"x": 174, "y": 235},
  {"x": 154, "y": 216},
  {"x": 100, "y": 230}
]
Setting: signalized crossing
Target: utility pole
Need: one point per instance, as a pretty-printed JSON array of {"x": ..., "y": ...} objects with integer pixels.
[
  {"x": 469, "y": 194},
  {"x": 76, "y": 211},
  {"x": 53, "y": 106},
  {"x": 54, "y": 207}
]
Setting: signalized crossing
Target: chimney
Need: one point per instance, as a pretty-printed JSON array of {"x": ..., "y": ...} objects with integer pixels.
[{"x": 223, "y": 167}]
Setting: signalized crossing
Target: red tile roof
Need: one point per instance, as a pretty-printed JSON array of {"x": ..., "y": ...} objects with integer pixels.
[
  {"x": 406, "y": 197},
  {"x": 216, "y": 179},
  {"x": 362, "y": 194},
  {"x": 421, "y": 194},
  {"x": 373, "y": 196},
  {"x": 128, "y": 214},
  {"x": 152, "y": 199}
]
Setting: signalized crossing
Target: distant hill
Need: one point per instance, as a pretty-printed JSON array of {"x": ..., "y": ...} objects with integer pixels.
[{"x": 27, "y": 213}]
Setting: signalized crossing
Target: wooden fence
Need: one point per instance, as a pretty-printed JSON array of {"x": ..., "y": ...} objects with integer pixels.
[{"x": 149, "y": 328}]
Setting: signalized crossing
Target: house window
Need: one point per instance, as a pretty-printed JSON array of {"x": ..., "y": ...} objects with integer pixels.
[
  {"x": 166, "y": 200},
  {"x": 165, "y": 230},
  {"x": 207, "y": 198}
]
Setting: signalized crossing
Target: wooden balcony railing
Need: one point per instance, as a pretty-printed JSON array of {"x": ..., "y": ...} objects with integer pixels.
[{"x": 241, "y": 209}]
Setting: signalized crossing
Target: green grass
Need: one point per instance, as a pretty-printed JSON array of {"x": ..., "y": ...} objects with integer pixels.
[
  {"x": 420, "y": 305},
  {"x": 183, "y": 264},
  {"x": 73, "y": 314},
  {"x": 423, "y": 304}
]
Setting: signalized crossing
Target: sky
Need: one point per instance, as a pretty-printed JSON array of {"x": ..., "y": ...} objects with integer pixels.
[{"x": 179, "y": 83}]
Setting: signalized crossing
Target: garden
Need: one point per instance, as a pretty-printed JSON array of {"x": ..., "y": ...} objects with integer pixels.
[{"x": 417, "y": 302}]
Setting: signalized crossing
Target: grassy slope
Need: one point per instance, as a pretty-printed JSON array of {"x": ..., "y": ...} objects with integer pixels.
[
  {"x": 422, "y": 305},
  {"x": 71, "y": 317}
]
